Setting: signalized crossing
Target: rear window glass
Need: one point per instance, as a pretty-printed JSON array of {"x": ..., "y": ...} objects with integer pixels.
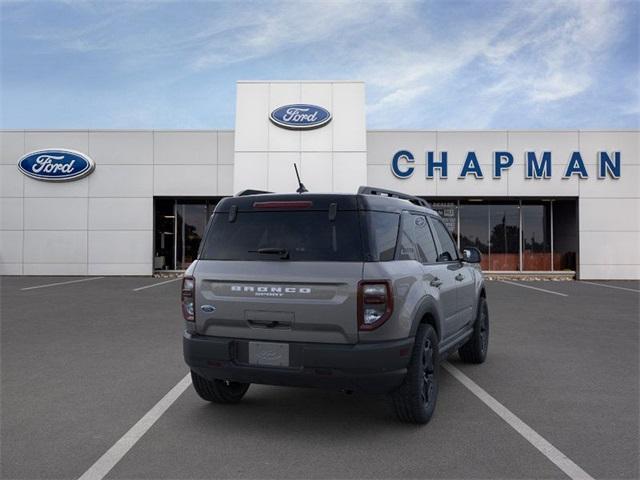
[{"x": 304, "y": 235}]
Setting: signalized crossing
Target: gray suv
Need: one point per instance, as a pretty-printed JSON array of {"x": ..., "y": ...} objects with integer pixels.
[{"x": 363, "y": 292}]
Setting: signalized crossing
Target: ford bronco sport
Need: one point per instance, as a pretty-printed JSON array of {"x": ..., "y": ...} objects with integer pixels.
[{"x": 363, "y": 292}]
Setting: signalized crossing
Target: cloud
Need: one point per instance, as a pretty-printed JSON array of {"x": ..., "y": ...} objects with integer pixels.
[
  {"x": 437, "y": 64},
  {"x": 289, "y": 26},
  {"x": 546, "y": 52}
]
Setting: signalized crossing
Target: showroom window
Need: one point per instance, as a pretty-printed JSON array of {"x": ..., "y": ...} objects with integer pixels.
[
  {"x": 515, "y": 235},
  {"x": 536, "y": 236},
  {"x": 504, "y": 236},
  {"x": 565, "y": 234},
  {"x": 474, "y": 228}
]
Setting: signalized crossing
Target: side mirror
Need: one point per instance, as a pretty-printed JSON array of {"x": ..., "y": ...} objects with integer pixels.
[{"x": 471, "y": 255}]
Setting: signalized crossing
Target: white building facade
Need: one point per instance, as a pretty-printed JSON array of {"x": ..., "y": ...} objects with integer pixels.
[{"x": 529, "y": 200}]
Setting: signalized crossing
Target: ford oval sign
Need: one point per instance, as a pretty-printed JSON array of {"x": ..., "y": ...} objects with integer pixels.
[
  {"x": 300, "y": 116},
  {"x": 56, "y": 165}
]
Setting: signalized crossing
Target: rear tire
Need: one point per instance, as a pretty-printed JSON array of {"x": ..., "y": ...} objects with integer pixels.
[
  {"x": 218, "y": 391},
  {"x": 415, "y": 399},
  {"x": 475, "y": 350}
]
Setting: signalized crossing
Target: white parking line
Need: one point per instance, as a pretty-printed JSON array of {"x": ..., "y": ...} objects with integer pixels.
[
  {"x": 611, "y": 286},
  {"x": 156, "y": 284},
  {"x": 61, "y": 283},
  {"x": 534, "y": 288},
  {"x": 563, "y": 462},
  {"x": 111, "y": 457}
]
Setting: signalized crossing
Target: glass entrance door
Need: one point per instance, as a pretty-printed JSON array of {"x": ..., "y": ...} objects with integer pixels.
[
  {"x": 179, "y": 228},
  {"x": 165, "y": 234},
  {"x": 191, "y": 220}
]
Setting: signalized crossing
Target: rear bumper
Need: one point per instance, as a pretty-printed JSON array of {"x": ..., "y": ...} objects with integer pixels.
[{"x": 367, "y": 367}]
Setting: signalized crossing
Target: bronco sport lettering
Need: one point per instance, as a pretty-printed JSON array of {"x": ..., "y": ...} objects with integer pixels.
[{"x": 247, "y": 288}]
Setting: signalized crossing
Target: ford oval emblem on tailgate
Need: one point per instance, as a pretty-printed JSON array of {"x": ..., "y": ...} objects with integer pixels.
[{"x": 208, "y": 308}]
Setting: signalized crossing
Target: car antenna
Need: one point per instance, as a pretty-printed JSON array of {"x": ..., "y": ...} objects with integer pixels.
[{"x": 301, "y": 188}]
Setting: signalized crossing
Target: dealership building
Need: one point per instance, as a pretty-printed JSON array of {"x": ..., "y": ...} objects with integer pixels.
[{"x": 133, "y": 202}]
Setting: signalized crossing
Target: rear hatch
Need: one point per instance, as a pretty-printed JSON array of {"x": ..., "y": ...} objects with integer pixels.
[{"x": 281, "y": 269}]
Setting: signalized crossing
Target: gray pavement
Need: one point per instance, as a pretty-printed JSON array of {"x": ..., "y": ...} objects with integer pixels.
[{"x": 82, "y": 362}]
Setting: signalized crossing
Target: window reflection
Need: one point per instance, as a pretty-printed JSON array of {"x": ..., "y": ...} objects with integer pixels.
[
  {"x": 536, "y": 236},
  {"x": 474, "y": 229},
  {"x": 493, "y": 227},
  {"x": 504, "y": 253}
]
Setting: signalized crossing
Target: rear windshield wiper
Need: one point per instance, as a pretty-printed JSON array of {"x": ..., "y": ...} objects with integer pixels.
[{"x": 283, "y": 252}]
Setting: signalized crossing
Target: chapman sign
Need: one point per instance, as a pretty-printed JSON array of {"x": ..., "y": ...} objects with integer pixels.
[
  {"x": 537, "y": 165},
  {"x": 56, "y": 165},
  {"x": 300, "y": 116}
]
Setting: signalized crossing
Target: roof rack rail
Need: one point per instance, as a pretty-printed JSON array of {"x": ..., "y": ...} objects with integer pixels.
[
  {"x": 250, "y": 191},
  {"x": 364, "y": 190}
]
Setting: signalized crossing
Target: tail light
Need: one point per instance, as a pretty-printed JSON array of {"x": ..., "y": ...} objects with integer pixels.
[
  {"x": 187, "y": 298},
  {"x": 375, "y": 303}
]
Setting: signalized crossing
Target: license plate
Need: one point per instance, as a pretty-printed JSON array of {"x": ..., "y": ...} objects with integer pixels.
[{"x": 269, "y": 353}]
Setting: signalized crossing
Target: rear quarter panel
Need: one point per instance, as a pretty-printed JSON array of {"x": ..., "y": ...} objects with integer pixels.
[{"x": 408, "y": 292}]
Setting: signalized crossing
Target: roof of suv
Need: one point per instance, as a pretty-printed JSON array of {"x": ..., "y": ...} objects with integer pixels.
[{"x": 319, "y": 201}]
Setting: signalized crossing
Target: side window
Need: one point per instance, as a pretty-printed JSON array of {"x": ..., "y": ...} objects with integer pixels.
[
  {"x": 406, "y": 241},
  {"x": 424, "y": 239},
  {"x": 448, "y": 251},
  {"x": 383, "y": 235}
]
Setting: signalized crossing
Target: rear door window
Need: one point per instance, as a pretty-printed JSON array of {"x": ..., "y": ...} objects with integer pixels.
[
  {"x": 424, "y": 239},
  {"x": 304, "y": 235},
  {"x": 448, "y": 251},
  {"x": 416, "y": 241}
]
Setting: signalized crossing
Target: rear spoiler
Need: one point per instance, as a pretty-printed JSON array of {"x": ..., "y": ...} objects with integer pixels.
[
  {"x": 250, "y": 191},
  {"x": 365, "y": 190}
]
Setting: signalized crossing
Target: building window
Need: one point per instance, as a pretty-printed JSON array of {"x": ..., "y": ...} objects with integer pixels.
[
  {"x": 474, "y": 229},
  {"x": 536, "y": 236},
  {"x": 504, "y": 228},
  {"x": 565, "y": 234},
  {"x": 515, "y": 235},
  {"x": 494, "y": 229}
]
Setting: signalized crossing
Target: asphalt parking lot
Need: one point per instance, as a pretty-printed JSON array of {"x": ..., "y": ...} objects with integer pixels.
[{"x": 82, "y": 362}]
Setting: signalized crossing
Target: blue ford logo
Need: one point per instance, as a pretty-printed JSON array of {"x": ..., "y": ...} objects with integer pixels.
[
  {"x": 208, "y": 308},
  {"x": 56, "y": 165},
  {"x": 300, "y": 116}
]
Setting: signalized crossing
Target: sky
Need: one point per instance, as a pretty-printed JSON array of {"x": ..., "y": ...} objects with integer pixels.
[{"x": 427, "y": 65}]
